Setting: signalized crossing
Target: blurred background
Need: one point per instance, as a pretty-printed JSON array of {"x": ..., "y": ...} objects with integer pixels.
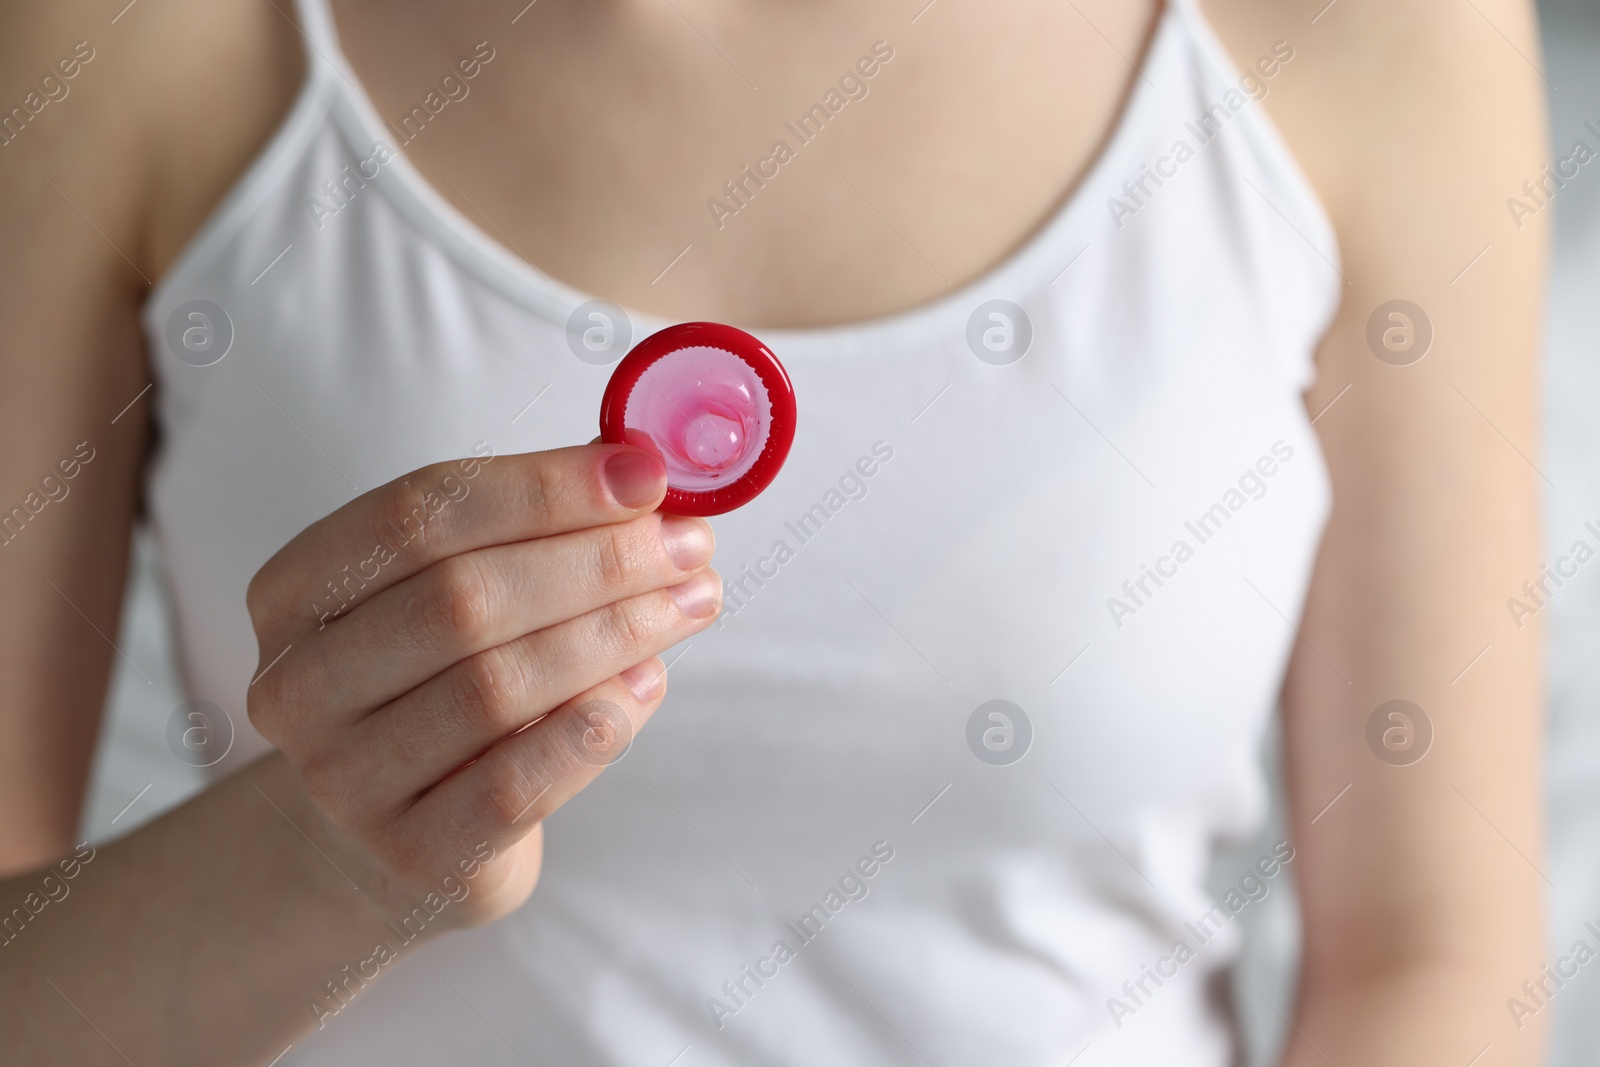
[{"x": 136, "y": 775}]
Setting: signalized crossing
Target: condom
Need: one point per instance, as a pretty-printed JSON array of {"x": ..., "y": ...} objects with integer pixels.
[{"x": 714, "y": 403}]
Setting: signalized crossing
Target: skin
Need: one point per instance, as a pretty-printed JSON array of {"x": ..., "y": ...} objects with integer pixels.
[{"x": 1419, "y": 885}]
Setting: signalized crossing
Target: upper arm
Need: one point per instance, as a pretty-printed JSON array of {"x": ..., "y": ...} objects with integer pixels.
[
  {"x": 70, "y": 361},
  {"x": 101, "y": 185},
  {"x": 1415, "y": 122}
]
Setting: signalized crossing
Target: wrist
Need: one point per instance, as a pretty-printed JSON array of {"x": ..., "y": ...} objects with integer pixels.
[
  {"x": 328, "y": 874},
  {"x": 360, "y": 894}
]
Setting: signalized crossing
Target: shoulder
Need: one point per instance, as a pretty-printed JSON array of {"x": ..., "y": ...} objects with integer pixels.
[
  {"x": 149, "y": 110},
  {"x": 1402, "y": 112}
]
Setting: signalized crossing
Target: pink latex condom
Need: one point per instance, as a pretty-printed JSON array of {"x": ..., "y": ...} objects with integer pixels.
[{"x": 714, "y": 403}]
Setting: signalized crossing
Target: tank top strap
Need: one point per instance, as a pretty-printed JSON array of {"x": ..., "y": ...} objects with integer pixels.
[
  {"x": 1204, "y": 43},
  {"x": 1281, "y": 173},
  {"x": 324, "y": 55}
]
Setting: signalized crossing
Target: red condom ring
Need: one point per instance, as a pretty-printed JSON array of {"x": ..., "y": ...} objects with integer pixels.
[{"x": 714, "y": 403}]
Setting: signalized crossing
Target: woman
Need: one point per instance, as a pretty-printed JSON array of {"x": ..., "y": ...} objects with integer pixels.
[{"x": 1151, "y": 360}]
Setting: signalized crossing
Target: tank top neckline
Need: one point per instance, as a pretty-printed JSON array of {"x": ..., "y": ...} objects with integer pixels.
[{"x": 1041, "y": 259}]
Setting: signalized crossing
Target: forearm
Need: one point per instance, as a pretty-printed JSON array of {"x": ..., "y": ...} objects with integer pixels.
[
  {"x": 1443, "y": 1013},
  {"x": 207, "y": 937}
]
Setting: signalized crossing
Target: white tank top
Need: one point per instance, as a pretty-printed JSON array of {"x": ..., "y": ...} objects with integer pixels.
[{"x": 1109, "y": 533}]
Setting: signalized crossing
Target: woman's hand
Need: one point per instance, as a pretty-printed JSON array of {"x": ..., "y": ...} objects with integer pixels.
[{"x": 503, "y": 654}]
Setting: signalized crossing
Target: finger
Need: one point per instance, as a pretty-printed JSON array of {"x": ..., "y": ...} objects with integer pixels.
[
  {"x": 465, "y": 604},
  {"x": 458, "y": 715},
  {"x": 391, "y": 533},
  {"x": 517, "y": 783}
]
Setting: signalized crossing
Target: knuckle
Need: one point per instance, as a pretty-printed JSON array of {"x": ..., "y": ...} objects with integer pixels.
[
  {"x": 268, "y": 703},
  {"x": 509, "y": 793},
  {"x": 328, "y": 787},
  {"x": 455, "y": 610},
  {"x": 407, "y": 512},
  {"x": 627, "y": 626},
  {"x": 397, "y": 506},
  {"x": 415, "y": 741},
  {"x": 491, "y": 692},
  {"x": 258, "y": 709},
  {"x": 618, "y": 561},
  {"x": 263, "y": 596},
  {"x": 540, "y": 502},
  {"x": 255, "y": 594},
  {"x": 595, "y": 732}
]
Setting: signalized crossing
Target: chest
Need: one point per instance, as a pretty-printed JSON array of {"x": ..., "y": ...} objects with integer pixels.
[{"x": 771, "y": 165}]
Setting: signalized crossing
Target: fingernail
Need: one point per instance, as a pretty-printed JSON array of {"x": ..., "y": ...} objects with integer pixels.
[
  {"x": 700, "y": 596},
  {"x": 688, "y": 540},
  {"x": 634, "y": 477},
  {"x": 645, "y": 679}
]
